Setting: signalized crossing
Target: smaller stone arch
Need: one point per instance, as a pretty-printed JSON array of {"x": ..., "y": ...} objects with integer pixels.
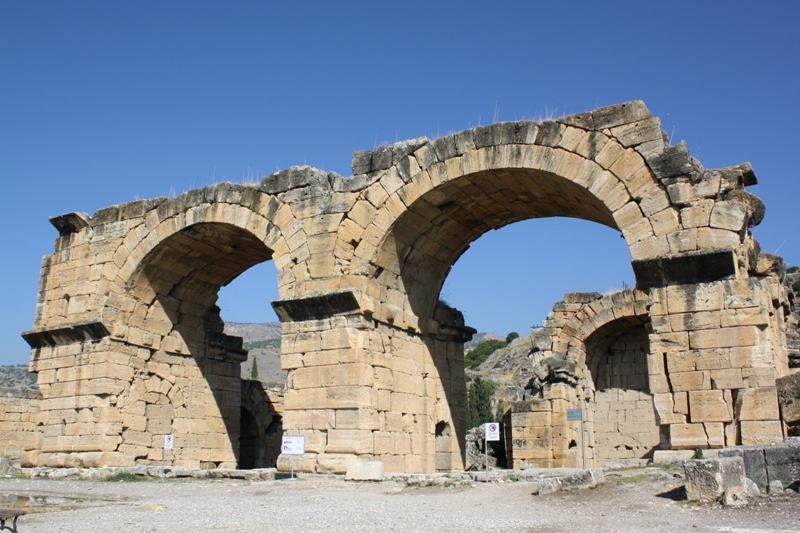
[{"x": 260, "y": 442}]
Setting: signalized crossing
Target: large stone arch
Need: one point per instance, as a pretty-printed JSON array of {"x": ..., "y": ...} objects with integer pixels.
[{"x": 375, "y": 362}]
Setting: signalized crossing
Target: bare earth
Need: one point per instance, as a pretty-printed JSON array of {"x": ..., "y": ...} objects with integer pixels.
[{"x": 631, "y": 501}]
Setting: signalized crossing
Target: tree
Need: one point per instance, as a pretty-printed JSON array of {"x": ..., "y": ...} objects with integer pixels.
[
  {"x": 511, "y": 336},
  {"x": 254, "y": 371},
  {"x": 479, "y": 402}
]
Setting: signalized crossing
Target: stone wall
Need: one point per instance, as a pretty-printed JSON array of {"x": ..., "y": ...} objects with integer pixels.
[{"x": 20, "y": 421}]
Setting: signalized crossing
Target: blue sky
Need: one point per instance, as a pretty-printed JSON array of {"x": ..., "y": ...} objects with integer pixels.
[{"x": 107, "y": 102}]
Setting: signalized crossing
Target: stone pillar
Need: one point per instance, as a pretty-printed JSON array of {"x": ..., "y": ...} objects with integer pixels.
[
  {"x": 713, "y": 363},
  {"x": 359, "y": 389}
]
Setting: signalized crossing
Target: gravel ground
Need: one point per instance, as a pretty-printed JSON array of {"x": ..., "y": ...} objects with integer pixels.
[{"x": 630, "y": 501}]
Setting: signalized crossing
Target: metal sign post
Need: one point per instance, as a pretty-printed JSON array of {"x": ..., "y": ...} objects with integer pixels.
[
  {"x": 169, "y": 442},
  {"x": 575, "y": 415},
  {"x": 293, "y": 445},
  {"x": 491, "y": 431}
]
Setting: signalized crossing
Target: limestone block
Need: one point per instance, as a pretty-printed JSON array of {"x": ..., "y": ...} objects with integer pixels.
[
  {"x": 349, "y": 441},
  {"x": 709, "y": 479},
  {"x": 788, "y": 389},
  {"x": 730, "y": 378},
  {"x": 687, "y": 436},
  {"x": 710, "y": 238},
  {"x": 300, "y": 463},
  {"x": 665, "y": 222},
  {"x": 783, "y": 464},
  {"x": 761, "y": 432},
  {"x": 759, "y": 377},
  {"x": 690, "y": 381},
  {"x": 357, "y": 419},
  {"x": 757, "y": 404},
  {"x": 725, "y": 337},
  {"x": 348, "y": 397},
  {"x": 716, "y": 434},
  {"x": 330, "y": 463},
  {"x": 708, "y": 406},
  {"x": 729, "y": 215},
  {"x": 695, "y": 297}
]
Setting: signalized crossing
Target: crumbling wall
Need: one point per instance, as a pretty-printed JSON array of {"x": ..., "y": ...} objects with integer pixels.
[{"x": 20, "y": 421}]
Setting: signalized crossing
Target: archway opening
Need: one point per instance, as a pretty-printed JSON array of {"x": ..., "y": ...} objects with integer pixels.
[
  {"x": 175, "y": 290},
  {"x": 426, "y": 242}
]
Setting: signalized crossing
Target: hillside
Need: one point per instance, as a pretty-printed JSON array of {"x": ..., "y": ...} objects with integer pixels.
[
  {"x": 17, "y": 377},
  {"x": 263, "y": 340},
  {"x": 254, "y": 332}
]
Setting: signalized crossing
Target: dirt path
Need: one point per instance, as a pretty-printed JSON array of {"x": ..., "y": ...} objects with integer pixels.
[{"x": 631, "y": 501}]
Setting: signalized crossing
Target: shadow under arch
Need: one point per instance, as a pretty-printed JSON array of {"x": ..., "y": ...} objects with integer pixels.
[
  {"x": 621, "y": 415},
  {"x": 174, "y": 291}
]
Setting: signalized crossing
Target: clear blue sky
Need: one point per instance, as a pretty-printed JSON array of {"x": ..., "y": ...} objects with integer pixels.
[{"x": 106, "y": 102}]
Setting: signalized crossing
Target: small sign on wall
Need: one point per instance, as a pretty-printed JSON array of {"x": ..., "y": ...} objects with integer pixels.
[
  {"x": 169, "y": 442},
  {"x": 574, "y": 415}
]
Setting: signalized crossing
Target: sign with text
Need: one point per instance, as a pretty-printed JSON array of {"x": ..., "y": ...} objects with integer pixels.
[
  {"x": 574, "y": 415},
  {"x": 492, "y": 431},
  {"x": 293, "y": 445},
  {"x": 169, "y": 441}
]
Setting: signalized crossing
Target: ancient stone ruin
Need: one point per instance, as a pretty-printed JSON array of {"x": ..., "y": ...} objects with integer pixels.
[{"x": 128, "y": 343}]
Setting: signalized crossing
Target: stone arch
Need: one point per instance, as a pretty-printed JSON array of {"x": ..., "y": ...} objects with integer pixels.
[
  {"x": 433, "y": 202},
  {"x": 375, "y": 361}
]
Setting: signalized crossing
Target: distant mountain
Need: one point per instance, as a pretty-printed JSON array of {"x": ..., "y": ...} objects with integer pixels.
[
  {"x": 17, "y": 377},
  {"x": 254, "y": 332},
  {"x": 480, "y": 337},
  {"x": 263, "y": 342}
]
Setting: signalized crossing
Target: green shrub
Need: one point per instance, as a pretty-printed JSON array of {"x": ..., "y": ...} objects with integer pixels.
[
  {"x": 698, "y": 453},
  {"x": 481, "y": 352},
  {"x": 479, "y": 402},
  {"x": 254, "y": 371},
  {"x": 511, "y": 336},
  {"x": 792, "y": 269}
]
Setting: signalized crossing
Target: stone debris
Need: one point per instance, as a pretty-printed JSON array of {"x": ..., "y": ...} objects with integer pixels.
[
  {"x": 710, "y": 480},
  {"x": 364, "y": 471}
]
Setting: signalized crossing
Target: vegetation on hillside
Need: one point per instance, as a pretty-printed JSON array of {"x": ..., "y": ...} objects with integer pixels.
[
  {"x": 17, "y": 377},
  {"x": 274, "y": 343},
  {"x": 482, "y": 351}
]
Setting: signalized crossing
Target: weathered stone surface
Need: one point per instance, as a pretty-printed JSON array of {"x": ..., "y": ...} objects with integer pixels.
[
  {"x": 788, "y": 388},
  {"x": 708, "y": 480},
  {"x": 783, "y": 464},
  {"x": 364, "y": 471}
]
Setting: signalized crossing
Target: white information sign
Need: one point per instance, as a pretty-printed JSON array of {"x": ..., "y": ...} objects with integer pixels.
[
  {"x": 492, "y": 431},
  {"x": 169, "y": 441},
  {"x": 293, "y": 445}
]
